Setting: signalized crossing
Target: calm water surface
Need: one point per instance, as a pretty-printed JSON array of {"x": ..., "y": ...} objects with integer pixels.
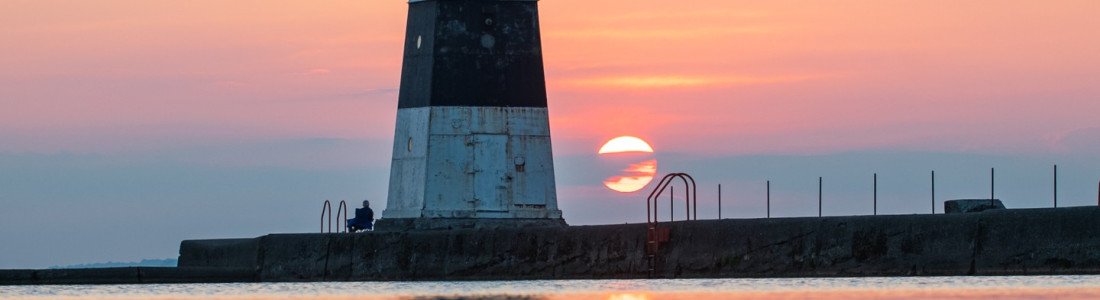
[{"x": 1014, "y": 287}]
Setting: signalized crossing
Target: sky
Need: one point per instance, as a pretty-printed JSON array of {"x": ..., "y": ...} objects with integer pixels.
[{"x": 127, "y": 126}]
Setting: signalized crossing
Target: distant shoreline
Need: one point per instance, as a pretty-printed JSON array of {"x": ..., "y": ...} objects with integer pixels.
[{"x": 167, "y": 262}]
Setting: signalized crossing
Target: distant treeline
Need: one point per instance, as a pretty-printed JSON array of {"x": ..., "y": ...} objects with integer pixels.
[{"x": 169, "y": 262}]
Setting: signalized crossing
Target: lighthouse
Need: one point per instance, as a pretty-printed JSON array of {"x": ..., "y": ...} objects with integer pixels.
[{"x": 472, "y": 141}]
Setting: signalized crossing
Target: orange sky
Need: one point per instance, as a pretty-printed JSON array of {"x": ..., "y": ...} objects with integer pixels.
[{"x": 726, "y": 76}]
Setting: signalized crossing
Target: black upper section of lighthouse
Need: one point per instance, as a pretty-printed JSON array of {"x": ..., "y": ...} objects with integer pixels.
[{"x": 473, "y": 53}]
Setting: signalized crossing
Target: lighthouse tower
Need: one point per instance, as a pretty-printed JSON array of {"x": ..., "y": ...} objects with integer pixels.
[{"x": 472, "y": 143}]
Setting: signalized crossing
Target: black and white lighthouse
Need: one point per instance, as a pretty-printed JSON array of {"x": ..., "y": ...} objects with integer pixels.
[{"x": 472, "y": 143}]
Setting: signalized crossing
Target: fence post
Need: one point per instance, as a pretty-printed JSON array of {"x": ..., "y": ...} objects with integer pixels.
[
  {"x": 876, "y": 194},
  {"x": 719, "y": 201},
  {"x": 819, "y": 192},
  {"x": 933, "y": 192},
  {"x": 769, "y": 199},
  {"x": 992, "y": 186},
  {"x": 1055, "y": 186}
]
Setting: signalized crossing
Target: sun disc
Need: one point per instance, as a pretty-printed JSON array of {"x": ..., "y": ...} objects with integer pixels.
[{"x": 625, "y": 144}]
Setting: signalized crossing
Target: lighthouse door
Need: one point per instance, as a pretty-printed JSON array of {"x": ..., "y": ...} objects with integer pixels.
[{"x": 490, "y": 173}]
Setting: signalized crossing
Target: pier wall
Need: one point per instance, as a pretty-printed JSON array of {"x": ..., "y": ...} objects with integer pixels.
[
  {"x": 997, "y": 242},
  {"x": 1004, "y": 242}
]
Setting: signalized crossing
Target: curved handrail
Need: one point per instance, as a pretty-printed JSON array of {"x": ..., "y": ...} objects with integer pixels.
[
  {"x": 654, "y": 234},
  {"x": 327, "y": 207},
  {"x": 343, "y": 207},
  {"x": 690, "y": 197},
  {"x": 661, "y": 187},
  {"x": 687, "y": 195},
  {"x": 694, "y": 196},
  {"x": 657, "y": 191}
]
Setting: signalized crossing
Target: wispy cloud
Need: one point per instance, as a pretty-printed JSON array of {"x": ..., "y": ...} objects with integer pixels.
[
  {"x": 315, "y": 71},
  {"x": 679, "y": 81},
  {"x": 660, "y": 33}
]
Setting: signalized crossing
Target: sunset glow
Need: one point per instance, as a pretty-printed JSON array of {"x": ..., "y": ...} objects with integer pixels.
[
  {"x": 161, "y": 110},
  {"x": 752, "y": 77}
]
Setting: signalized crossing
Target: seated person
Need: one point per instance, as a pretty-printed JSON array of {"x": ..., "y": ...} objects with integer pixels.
[{"x": 364, "y": 219}]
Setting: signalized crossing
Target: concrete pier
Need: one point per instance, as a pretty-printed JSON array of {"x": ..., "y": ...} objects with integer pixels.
[
  {"x": 126, "y": 275},
  {"x": 997, "y": 242},
  {"x": 1003, "y": 242}
]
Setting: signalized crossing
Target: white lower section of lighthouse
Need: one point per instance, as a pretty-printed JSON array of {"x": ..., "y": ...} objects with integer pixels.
[{"x": 463, "y": 162}]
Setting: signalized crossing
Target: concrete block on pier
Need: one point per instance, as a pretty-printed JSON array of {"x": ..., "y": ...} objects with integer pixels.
[
  {"x": 222, "y": 253},
  {"x": 971, "y": 205}
]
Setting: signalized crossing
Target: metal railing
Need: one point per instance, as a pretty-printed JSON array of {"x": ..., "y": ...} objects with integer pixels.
[
  {"x": 326, "y": 208},
  {"x": 935, "y": 199},
  {"x": 690, "y": 197},
  {"x": 326, "y": 214},
  {"x": 343, "y": 208},
  {"x": 665, "y": 185},
  {"x": 655, "y": 234}
]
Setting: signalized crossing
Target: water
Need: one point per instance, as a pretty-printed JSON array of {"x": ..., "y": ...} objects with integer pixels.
[{"x": 1011, "y": 287}]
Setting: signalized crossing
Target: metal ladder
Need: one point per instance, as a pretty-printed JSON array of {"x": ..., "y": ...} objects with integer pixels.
[
  {"x": 655, "y": 234},
  {"x": 326, "y": 210}
]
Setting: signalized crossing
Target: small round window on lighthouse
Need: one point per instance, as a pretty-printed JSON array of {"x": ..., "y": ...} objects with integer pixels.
[
  {"x": 419, "y": 41},
  {"x": 410, "y": 144}
]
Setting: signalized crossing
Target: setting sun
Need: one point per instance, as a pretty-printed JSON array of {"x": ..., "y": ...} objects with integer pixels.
[
  {"x": 625, "y": 144},
  {"x": 637, "y": 156}
]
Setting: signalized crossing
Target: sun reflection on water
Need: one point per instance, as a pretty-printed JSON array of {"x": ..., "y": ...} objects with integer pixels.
[
  {"x": 908, "y": 288},
  {"x": 628, "y": 297}
]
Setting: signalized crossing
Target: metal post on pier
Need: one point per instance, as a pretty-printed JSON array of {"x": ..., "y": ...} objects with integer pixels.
[
  {"x": 992, "y": 186},
  {"x": 933, "y": 192},
  {"x": 719, "y": 201},
  {"x": 1055, "y": 186},
  {"x": 876, "y": 194},
  {"x": 769, "y": 186},
  {"x": 691, "y": 198},
  {"x": 819, "y": 189}
]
